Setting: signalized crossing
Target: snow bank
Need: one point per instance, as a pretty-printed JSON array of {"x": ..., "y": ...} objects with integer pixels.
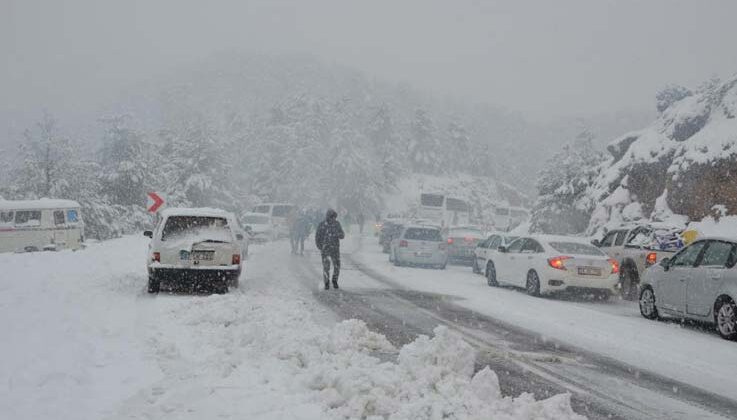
[{"x": 725, "y": 227}]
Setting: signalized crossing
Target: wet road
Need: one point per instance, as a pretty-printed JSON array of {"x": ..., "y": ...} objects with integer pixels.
[{"x": 602, "y": 388}]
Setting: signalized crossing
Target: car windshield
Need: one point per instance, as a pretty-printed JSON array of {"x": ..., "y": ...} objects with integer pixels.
[
  {"x": 423, "y": 234},
  {"x": 575, "y": 248},
  {"x": 256, "y": 220},
  {"x": 202, "y": 228}
]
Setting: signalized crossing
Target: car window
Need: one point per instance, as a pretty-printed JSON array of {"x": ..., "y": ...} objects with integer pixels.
[
  {"x": 717, "y": 254},
  {"x": 516, "y": 246},
  {"x": 688, "y": 256},
  {"x": 72, "y": 216},
  {"x": 532, "y": 246},
  {"x": 58, "y": 217},
  {"x": 484, "y": 243},
  {"x": 281, "y": 211},
  {"x": 261, "y": 209},
  {"x": 28, "y": 218},
  {"x": 619, "y": 240},
  {"x": 256, "y": 220},
  {"x": 608, "y": 239},
  {"x": 6, "y": 218},
  {"x": 423, "y": 234},
  {"x": 496, "y": 242},
  {"x": 213, "y": 228},
  {"x": 575, "y": 248}
]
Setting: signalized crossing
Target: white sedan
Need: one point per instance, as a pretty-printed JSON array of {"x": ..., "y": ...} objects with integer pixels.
[{"x": 544, "y": 264}]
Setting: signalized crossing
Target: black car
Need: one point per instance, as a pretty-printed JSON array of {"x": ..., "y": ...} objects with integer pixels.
[{"x": 389, "y": 231}]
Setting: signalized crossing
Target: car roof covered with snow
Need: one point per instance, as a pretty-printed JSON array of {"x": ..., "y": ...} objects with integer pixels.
[
  {"x": 198, "y": 211},
  {"x": 559, "y": 238},
  {"x": 44, "y": 203}
]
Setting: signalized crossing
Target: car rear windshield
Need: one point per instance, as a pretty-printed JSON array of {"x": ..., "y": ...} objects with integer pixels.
[
  {"x": 423, "y": 234},
  {"x": 464, "y": 232},
  {"x": 575, "y": 248},
  {"x": 202, "y": 227},
  {"x": 281, "y": 211},
  {"x": 432, "y": 200},
  {"x": 256, "y": 220}
]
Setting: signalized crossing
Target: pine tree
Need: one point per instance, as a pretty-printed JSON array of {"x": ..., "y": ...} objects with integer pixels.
[
  {"x": 424, "y": 148},
  {"x": 562, "y": 206},
  {"x": 386, "y": 145}
]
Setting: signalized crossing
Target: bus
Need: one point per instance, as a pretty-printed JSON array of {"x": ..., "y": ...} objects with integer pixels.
[
  {"x": 507, "y": 218},
  {"x": 447, "y": 211},
  {"x": 40, "y": 225}
]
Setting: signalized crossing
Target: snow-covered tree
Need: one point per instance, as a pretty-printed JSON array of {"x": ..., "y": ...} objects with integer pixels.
[
  {"x": 424, "y": 146},
  {"x": 563, "y": 207},
  {"x": 386, "y": 144},
  {"x": 459, "y": 147}
]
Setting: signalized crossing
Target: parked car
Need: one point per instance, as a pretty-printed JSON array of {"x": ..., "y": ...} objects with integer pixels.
[
  {"x": 195, "y": 245},
  {"x": 462, "y": 241},
  {"x": 259, "y": 226},
  {"x": 389, "y": 231},
  {"x": 419, "y": 245},
  {"x": 638, "y": 247},
  {"x": 699, "y": 283},
  {"x": 279, "y": 213},
  {"x": 40, "y": 225},
  {"x": 543, "y": 264},
  {"x": 487, "y": 248}
]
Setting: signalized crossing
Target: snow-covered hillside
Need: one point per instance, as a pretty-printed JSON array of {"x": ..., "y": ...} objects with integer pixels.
[{"x": 682, "y": 164}]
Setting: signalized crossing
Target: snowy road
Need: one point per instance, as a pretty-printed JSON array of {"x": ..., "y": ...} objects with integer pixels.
[
  {"x": 544, "y": 346},
  {"x": 82, "y": 339}
]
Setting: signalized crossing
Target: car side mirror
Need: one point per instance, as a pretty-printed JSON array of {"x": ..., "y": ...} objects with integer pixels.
[
  {"x": 502, "y": 249},
  {"x": 239, "y": 236},
  {"x": 148, "y": 233},
  {"x": 596, "y": 243},
  {"x": 665, "y": 263}
]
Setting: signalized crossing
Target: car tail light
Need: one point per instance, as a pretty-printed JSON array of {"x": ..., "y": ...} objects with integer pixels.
[
  {"x": 157, "y": 257},
  {"x": 615, "y": 265},
  {"x": 450, "y": 241},
  {"x": 236, "y": 259},
  {"x": 557, "y": 262},
  {"x": 651, "y": 258},
  {"x": 403, "y": 244}
]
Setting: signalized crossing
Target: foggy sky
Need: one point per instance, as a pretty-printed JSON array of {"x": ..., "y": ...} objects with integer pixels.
[{"x": 542, "y": 58}]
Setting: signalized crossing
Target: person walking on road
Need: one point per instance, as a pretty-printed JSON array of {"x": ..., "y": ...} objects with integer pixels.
[
  {"x": 302, "y": 229},
  {"x": 327, "y": 238}
]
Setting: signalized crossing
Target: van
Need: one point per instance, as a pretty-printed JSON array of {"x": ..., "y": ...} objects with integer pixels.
[
  {"x": 40, "y": 225},
  {"x": 280, "y": 214}
]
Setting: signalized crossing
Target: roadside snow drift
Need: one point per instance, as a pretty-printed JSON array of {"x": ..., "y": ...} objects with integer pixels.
[{"x": 85, "y": 341}]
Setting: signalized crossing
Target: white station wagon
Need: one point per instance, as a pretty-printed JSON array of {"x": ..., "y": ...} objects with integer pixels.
[
  {"x": 40, "y": 225},
  {"x": 195, "y": 245}
]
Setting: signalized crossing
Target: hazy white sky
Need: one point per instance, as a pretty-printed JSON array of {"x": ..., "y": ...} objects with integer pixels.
[{"x": 543, "y": 58}]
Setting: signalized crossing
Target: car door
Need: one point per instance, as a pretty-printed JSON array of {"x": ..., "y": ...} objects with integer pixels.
[
  {"x": 671, "y": 293},
  {"x": 516, "y": 262},
  {"x": 504, "y": 262},
  {"x": 489, "y": 245},
  {"x": 707, "y": 277},
  {"x": 617, "y": 249},
  {"x": 528, "y": 259}
]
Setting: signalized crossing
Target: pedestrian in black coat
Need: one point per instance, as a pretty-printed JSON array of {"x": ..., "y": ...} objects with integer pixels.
[{"x": 327, "y": 238}]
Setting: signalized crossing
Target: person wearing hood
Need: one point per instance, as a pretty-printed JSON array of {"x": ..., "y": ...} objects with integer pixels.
[{"x": 327, "y": 238}]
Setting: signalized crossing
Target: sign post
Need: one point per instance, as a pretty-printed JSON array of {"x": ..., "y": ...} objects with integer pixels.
[{"x": 154, "y": 202}]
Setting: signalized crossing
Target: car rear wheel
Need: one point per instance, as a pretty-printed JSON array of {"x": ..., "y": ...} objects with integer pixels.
[
  {"x": 491, "y": 275},
  {"x": 395, "y": 260},
  {"x": 533, "y": 283},
  {"x": 221, "y": 288},
  {"x": 647, "y": 303},
  {"x": 234, "y": 280},
  {"x": 154, "y": 285},
  {"x": 726, "y": 318}
]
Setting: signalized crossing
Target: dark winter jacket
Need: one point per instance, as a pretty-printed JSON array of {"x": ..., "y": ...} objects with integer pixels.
[{"x": 329, "y": 233}]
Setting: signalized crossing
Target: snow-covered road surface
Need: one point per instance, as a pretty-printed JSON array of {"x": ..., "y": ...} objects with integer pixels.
[{"x": 83, "y": 340}]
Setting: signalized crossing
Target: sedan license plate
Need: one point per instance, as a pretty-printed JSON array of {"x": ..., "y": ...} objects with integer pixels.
[
  {"x": 203, "y": 255},
  {"x": 423, "y": 254},
  {"x": 589, "y": 271}
]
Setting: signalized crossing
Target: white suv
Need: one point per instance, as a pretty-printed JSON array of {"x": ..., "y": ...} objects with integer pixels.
[{"x": 195, "y": 245}]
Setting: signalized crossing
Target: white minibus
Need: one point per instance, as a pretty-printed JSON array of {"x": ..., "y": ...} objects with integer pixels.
[{"x": 40, "y": 225}]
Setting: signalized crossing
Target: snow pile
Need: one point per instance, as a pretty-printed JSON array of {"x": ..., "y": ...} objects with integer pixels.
[
  {"x": 723, "y": 227},
  {"x": 341, "y": 369},
  {"x": 679, "y": 166}
]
